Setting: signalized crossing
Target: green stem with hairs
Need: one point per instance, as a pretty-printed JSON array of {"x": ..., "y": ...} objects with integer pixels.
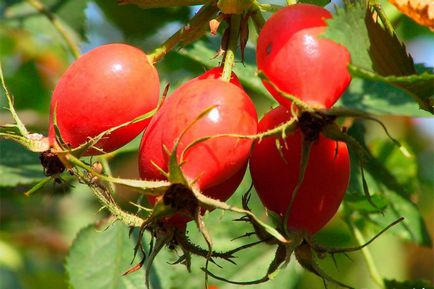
[
  {"x": 19, "y": 124},
  {"x": 192, "y": 31},
  {"x": 107, "y": 171},
  {"x": 104, "y": 197},
  {"x": 57, "y": 25},
  {"x": 229, "y": 59}
]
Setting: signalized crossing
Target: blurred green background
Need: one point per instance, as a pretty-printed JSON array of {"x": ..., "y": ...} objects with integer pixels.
[{"x": 36, "y": 232}]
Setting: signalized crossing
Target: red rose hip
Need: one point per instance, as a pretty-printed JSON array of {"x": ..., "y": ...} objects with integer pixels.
[
  {"x": 293, "y": 56},
  {"x": 274, "y": 178},
  {"x": 106, "y": 87}
]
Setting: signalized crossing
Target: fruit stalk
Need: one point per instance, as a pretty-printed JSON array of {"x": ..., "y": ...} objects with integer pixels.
[
  {"x": 257, "y": 17},
  {"x": 57, "y": 25},
  {"x": 373, "y": 270},
  {"x": 232, "y": 47}
]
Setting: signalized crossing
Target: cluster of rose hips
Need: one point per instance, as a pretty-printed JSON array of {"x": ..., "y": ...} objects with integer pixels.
[{"x": 209, "y": 127}]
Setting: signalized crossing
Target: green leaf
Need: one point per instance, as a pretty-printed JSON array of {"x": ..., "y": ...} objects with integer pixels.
[
  {"x": 413, "y": 284},
  {"x": 420, "y": 86},
  {"x": 98, "y": 258},
  {"x": 360, "y": 203},
  {"x": 375, "y": 50},
  {"x": 383, "y": 181},
  {"x": 18, "y": 166}
]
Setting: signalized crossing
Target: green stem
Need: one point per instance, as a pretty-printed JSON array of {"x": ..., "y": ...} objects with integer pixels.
[
  {"x": 20, "y": 125},
  {"x": 57, "y": 25},
  {"x": 107, "y": 171},
  {"x": 38, "y": 186},
  {"x": 193, "y": 30},
  {"x": 291, "y": 2},
  {"x": 154, "y": 188},
  {"x": 146, "y": 4},
  {"x": 232, "y": 47},
  {"x": 256, "y": 16},
  {"x": 373, "y": 270},
  {"x": 258, "y": 21}
]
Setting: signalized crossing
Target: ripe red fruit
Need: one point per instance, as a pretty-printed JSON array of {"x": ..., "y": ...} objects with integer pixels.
[
  {"x": 108, "y": 86},
  {"x": 215, "y": 160},
  {"x": 294, "y": 57},
  {"x": 217, "y": 164},
  {"x": 325, "y": 181}
]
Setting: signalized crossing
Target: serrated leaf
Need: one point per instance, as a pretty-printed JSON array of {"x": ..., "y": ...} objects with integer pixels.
[
  {"x": 382, "y": 181},
  {"x": 376, "y": 50},
  {"x": 99, "y": 256},
  {"x": 18, "y": 166},
  {"x": 413, "y": 284}
]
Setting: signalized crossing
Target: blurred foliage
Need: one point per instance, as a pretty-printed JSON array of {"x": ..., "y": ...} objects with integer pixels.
[{"x": 36, "y": 232}]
